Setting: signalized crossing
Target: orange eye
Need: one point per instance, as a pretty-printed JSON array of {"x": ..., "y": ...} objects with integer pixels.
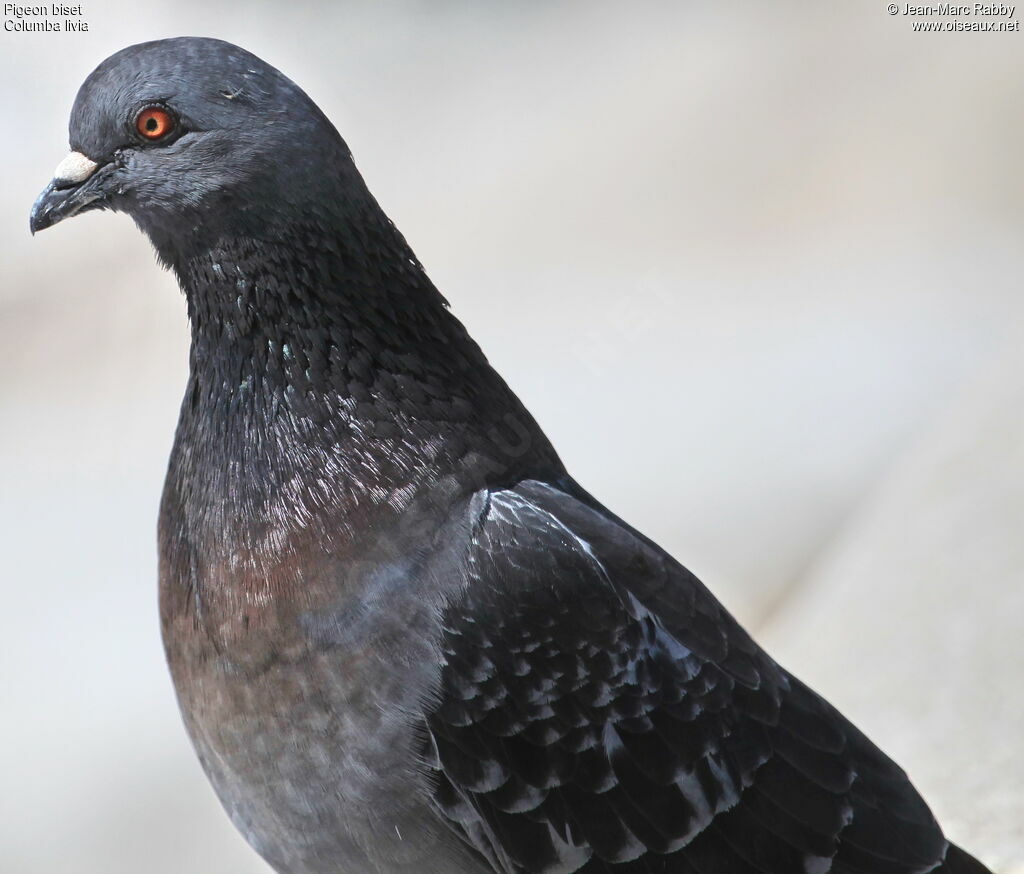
[{"x": 154, "y": 122}]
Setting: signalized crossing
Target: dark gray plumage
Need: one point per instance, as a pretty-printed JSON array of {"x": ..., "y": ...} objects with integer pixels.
[{"x": 403, "y": 638}]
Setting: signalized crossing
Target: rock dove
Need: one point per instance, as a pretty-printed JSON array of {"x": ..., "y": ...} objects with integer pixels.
[{"x": 403, "y": 638}]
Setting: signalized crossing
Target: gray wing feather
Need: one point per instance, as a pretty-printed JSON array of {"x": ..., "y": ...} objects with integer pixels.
[{"x": 601, "y": 712}]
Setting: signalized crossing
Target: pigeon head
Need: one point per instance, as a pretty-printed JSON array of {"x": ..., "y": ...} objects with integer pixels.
[{"x": 196, "y": 138}]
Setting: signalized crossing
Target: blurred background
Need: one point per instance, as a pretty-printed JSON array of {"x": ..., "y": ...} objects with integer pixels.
[{"x": 755, "y": 267}]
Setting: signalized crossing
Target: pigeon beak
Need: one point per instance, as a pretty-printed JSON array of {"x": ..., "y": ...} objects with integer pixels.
[{"x": 67, "y": 194}]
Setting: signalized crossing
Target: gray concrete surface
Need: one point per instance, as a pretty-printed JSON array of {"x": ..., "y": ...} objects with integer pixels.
[{"x": 737, "y": 258}]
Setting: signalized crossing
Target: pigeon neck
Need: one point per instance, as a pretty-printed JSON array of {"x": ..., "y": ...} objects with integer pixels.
[
  {"x": 306, "y": 323},
  {"x": 333, "y": 360}
]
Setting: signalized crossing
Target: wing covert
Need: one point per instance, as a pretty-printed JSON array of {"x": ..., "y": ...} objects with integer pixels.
[{"x": 600, "y": 711}]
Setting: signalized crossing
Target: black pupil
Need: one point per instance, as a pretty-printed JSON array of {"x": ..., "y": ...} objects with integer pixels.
[{"x": 151, "y": 124}]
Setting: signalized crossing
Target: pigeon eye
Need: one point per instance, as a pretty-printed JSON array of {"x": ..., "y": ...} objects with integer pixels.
[{"x": 154, "y": 123}]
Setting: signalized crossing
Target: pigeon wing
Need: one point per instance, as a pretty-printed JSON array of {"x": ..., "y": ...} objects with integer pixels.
[{"x": 600, "y": 711}]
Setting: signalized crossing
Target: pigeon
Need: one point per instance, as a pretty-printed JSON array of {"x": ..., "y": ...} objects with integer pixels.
[{"x": 402, "y": 637}]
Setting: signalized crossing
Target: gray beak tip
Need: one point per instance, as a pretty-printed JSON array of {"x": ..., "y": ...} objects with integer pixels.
[{"x": 39, "y": 219}]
